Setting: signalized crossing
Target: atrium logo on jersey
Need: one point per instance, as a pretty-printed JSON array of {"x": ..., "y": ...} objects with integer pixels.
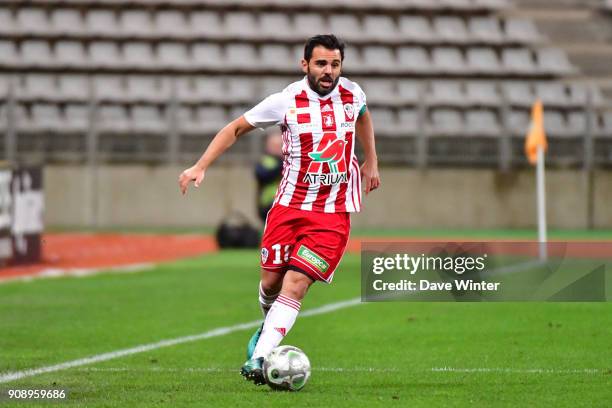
[{"x": 330, "y": 154}]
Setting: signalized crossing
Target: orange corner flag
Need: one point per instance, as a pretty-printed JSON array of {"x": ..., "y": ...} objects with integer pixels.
[{"x": 536, "y": 136}]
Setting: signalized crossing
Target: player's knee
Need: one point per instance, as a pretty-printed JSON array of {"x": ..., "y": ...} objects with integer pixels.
[
  {"x": 271, "y": 282},
  {"x": 295, "y": 285}
]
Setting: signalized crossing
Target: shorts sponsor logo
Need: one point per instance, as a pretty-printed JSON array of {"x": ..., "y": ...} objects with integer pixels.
[
  {"x": 313, "y": 259},
  {"x": 264, "y": 255}
]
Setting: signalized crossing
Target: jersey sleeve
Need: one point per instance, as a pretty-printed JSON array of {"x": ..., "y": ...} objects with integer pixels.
[
  {"x": 361, "y": 101},
  {"x": 271, "y": 111}
]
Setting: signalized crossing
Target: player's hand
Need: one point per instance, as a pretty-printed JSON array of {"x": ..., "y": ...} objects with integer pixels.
[
  {"x": 369, "y": 176},
  {"x": 195, "y": 174}
]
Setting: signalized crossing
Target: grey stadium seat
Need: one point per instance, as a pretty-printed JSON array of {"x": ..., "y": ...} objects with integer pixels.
[
  {"x": 7, "y": 22},
  {"x": 109, "y": 88},
  {"x": 211, "y": 118},
  {"x": 10, "y": 56},
  {"x": 207, "y": 55},
  {"x": 379, "y": 59},
  {"x": 518, "y": 122},
  {"x": 240, "y": 90},
  {"x": 557, "y": 125},
  {"x": 446, "y": 122},
  {"x": 171, "y": 23},
  {"x": 482, "y": 122},
  {"x": 482, "y": 60},
  {"x": 413, "y": 59},
  {"x": 186, "y": 120},
  {"x": 277, "y": 25},
  {"x": 269, "y": 86},
  {"x": 186, "y": 91},
  {"x": 485, "y": 29},
  {"x": 522, "y": 30},
  {"x": 241, "y": 56},
  {"x": 410, "y": 91},
  {"x": 74, "y": 87},
  {"x": 147, "y": 119},
  {"x": 33, "y": 20},
  {"x": 205, "y": 23},
  {"x": 353, "y": 61},
  {"x": 482, "y": 93},
  {"x": 210, "y": 88},
  {"x": 113, "y": 119},
  {"x": 101, "y": 22},
  {"x": 138, "y": 55},
  {"x": 450, "y": 29},
  {"x": 67, "y": 22},
  {"x": 448, "y": 60},
  {"x": 384, "y": 121},
  {"x": 308, "y": 23},
  {"x": 577, "y": 123},
  {"x": 518, "y": 61},
  {"x": 240, "y": 24},
  {"x": 22, "y": 120},
  {"x": 77, "y": 118},
  {"x": 277, "y": 57},
  {"x": 380, "y": 28},
  {"x": 135, "y": 23},
  {"x": 518, "y": 93},
  {"x": 408, "y": 122},
  {"x": 446, "y": 92},
  {"x": 416, "y": 28},
  {"x": 46, "y": 118},
  {"x": 104, "y": 54},
  {"x": 70, "y": 54},
  {"x": 554, "y": 60},
  {"x": 380, "y": 91},
  {"x": 552, "y": 93},
  {"x": 39, "y": 87},
  {"x": 346, "y": 26},
  {"x": 173, "y": 56},
  {"x": 606, "y": 124},
  {"x": 145, "y": 88},
  {"x": 36, "y": 53}
]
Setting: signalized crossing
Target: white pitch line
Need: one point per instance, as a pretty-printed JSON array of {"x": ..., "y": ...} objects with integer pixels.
[
  {"x": 219, "y": 369},
  {"x": 519, "y": 370},
  {"x": 221, "y": 331}
]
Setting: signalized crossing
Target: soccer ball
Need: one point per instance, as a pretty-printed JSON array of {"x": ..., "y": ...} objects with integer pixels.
[{"x": 286, "y": 368}]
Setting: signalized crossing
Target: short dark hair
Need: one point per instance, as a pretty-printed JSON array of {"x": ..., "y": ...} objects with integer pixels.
[{"x": 329, "y": 41}]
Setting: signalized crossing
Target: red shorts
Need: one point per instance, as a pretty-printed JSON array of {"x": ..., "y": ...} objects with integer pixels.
[{"x": 306, "y": 241}]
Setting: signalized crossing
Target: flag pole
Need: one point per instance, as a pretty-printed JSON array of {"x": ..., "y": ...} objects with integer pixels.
[{"x": 541, "y": 204}]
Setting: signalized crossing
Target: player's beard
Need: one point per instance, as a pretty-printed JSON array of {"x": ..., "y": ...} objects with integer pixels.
[{"x": 314, "y": 84}]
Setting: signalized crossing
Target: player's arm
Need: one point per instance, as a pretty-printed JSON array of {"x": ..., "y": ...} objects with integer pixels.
[
  {"x": 220, "y": 143},
  {"x": 365, "y": 135}
]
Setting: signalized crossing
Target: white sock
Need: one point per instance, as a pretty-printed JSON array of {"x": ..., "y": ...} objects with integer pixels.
[
  {"x": 265, "y": 301},
  {"x": 278, "y": 322}
]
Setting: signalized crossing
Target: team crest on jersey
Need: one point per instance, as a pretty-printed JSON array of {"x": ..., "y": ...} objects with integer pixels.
[
  {"x": 264, "y": 255},
  {"x": 329, "y": 156},
  {"x": 349, "y": 110}
]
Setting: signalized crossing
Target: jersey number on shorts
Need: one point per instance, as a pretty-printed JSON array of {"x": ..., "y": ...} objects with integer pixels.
[{"x": 281, "y": 256}]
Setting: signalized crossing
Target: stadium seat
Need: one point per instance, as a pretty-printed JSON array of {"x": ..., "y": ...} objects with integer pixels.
[
  {"x": 577, "y": 124},
  {"x": 46, "y": 118},
  {"x": 74, "y": 87},
  {"x": 240, "y": 25},
  {"x": 346, "y": 26},
  {"x": 380, "y": 91},
  {"x": 410, "y": 92},
  {"x": 450, "y": 29},
  {"x": 186, "y": 121},
  {"x": 171, "y": 23},
  {"x": 33, "y": 21},
  {"x": 482, "y": 93},
  {"x": 113, "y": 119},
  {"x": 147, "y": 89},
  {"x": 552, "y": 93},
  {"x": 148, "y": 119},
  {"x": 448, "y": 60},
  {"x": 579, "y": 94},
  {"x": 207, "y": 56},
  {"x": 138, "y": 55},
  {"x": 7, "y": 22},
  {"x": 211, "y": 118},
  {"x": 379, "y": 59},
  {"x": 446, "y": 92},
  {"x": 408, "y": 122},
  {"x": 413, "y": 59},
  {"x": 76, "y": 118},
  {"x": 606, "y": 124},
  {"x": 22, "y": 120},
  {"x": 210, "y": 89},
  {"x": 235, "y": 112},
  {"x": 482, "y": 61},
  {"x": 173, "y": 56},
  {"x": 352, "y": 60},
  {"x": 4, "y": 87},
  {"x": 109, "y": 88},
  {"x": 384, "y": 121},
  {"x": 446, "y": 122},
  {"x": 482, "y": 122},
  {"x": 36, "y": 53},
  {"x": 241, "y": 57},
  {"x": 38, "y": 87},
  {"x": 555, "y": 61},
  {"x": 492, "y": 5},
  {"x": 240, "y": 90},
  {"x": 65, "y": 21},
  {"x": 518, "y": 61},
  {"x": 70, "y": 54},
  {"x": 277, "y": 25},
  {"x": 485, "y": 29},
  {"x": 269, "y": 86},
  {"x": 135, "y": 23},
  {"x": 10, "y": 56},
  {"x": 104, "y": 54},
  {"x": 205, "y": 24},
  {"x": 518, "y": 122},
  {"x": 101, "y": 22},
  {"x": 308, "y": 23},
  {"x": 380, "y": 28},
  {"x": 522, "y": 31},
  {"x": 417, "y": 29},
  {"x": 278, "y": 57},
  {"x": 518, "y": 93},
  {"x": 555, "y": 124}
]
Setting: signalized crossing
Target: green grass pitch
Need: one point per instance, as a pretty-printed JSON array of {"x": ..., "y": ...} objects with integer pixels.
[{"x": 391, "y": 354}]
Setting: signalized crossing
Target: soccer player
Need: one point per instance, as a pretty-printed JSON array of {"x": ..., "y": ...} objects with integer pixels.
[{"x": 307, "y": 229}]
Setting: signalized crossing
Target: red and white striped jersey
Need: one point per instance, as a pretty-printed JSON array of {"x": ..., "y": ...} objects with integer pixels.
[{"x": 320, "y": 170}]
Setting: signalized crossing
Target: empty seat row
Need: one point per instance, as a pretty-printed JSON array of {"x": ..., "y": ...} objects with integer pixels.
[
  {"x": 269, "y": 25},
  {"x": 281, "y": 58}
]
